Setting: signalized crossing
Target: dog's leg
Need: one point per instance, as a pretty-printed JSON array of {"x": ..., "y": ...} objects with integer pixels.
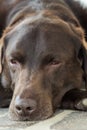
[{"x": 75, "y": 99}]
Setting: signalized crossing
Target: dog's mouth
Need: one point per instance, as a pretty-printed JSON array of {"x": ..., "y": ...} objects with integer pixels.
[
  {"x": 30, "y": 109},
  {"x": 39, "y": 114}
]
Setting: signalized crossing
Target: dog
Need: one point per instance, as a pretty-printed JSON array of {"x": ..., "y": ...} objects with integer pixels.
[{"x": 43, "y": 57}]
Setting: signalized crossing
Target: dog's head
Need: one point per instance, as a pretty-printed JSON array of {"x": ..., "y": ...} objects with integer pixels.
[{"x": 41, "y": 60}]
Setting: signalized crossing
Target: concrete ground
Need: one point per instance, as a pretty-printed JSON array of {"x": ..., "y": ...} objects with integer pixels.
[{"x": 62, "y": 120}]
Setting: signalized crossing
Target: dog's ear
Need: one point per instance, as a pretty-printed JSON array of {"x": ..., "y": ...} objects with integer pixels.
[
  {"x": 1, "y": 53},
  {"x": 78, "y": 31},
  {"x": 2, "y": 44},
  {"x": 82, "y": 53},
  {"x": 81, "y": 48},
  {"x": 83, "y": 58}
]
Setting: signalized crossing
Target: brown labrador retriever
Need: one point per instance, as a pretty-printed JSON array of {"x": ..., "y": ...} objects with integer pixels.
[{"x": 43, "y": 58}]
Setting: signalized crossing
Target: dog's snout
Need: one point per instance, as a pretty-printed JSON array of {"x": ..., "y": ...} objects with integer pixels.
[{"x": 25, "y": 106}]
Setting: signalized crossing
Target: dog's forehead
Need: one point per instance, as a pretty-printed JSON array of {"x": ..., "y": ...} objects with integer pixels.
[{"x": 43, "y": 37}]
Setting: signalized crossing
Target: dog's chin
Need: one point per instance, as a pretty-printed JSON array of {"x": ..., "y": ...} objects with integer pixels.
[
  {"x": 38, "y": 116},
  {"x": 27, "y": 118}
]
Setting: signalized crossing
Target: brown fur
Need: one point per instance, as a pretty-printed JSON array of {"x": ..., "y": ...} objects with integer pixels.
[{"x": 43, "y": 58}]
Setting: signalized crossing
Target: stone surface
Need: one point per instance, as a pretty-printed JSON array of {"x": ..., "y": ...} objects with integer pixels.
[{"x": 62, "y": 120}]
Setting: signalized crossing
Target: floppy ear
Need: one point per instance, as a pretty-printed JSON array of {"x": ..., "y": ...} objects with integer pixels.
[
  {"x": 5, "y": 94},
  {"x": 7, "y": 30},
  {"x": 83, "y": 57},
  {"x": 78, "y": 31},
  {"x": 1, "y": 54},
  {"x": 81, "y": 47},
  {"x": 83, "y": 52}
]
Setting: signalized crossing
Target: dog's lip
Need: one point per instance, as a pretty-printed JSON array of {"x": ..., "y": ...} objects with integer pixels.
[
  {"x": 39, "y": 114},
  {"x": 16, "y": 117}
]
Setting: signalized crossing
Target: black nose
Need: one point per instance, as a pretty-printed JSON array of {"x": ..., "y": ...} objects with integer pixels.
[{"x": 25, "y": 106}]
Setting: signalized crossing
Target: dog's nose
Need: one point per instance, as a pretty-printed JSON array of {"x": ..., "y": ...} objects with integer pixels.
[{"x": 25, "y": 106}]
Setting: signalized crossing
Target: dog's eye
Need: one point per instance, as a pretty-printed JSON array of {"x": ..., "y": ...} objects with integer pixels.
[
  {"x": 54, "y": 62},
  {"x": 13, "y": 61},
  {"x": 51, "y": 61},
  {"x": 13, "y": 65}
]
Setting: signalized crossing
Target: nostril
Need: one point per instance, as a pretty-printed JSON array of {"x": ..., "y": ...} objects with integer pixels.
[
  {"x": 25, "y": 106},
  {"x": 30, "y": 109},
  {"x": 18, "y": 108}
]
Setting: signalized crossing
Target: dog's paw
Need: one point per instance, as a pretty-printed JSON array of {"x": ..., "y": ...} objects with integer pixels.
[{"x": 81, "y": 105}]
